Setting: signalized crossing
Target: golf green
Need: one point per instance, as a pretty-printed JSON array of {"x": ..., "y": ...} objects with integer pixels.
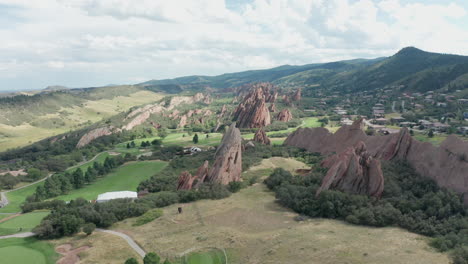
[{"x": 26, "y": 250}]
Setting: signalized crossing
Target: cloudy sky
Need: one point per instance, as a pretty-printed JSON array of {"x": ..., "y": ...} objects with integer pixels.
[{"x": 82, "y": 43}]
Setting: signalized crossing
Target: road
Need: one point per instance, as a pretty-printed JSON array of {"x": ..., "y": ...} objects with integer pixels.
[
  {"x": 127, "y": 239},
  {"x": 4, "y": 200},
  {"x": 18, "y": 235}
]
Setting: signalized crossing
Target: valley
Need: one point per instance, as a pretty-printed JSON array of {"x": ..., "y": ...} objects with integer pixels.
[{"x": 321, "y": 163}]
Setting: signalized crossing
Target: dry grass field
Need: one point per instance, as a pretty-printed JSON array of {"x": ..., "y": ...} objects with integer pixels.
[
  {"x": 70, "y": 118},
  {"x": 103, "y": 248},
  {"x": 253, "y": 228}
]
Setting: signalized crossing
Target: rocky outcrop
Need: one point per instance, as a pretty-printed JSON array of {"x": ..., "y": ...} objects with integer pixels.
[
  {"x": 272, "y": 108},
  {"x": 353, "y": 171},
  {"x": 252, "y": 111},
  {"x": 446, "y": 164},
  {"x": 183, "y": 121},
  {"x": 284, "y": 116},
  {"x": 261, "y": 137},
  {"x": 187, "y": 181},
  {"x": 227, "y": 166},
  {"x": 94, "y": 134},
  {"x": 297, "y": 95},
  {"x": 287, "y": 100},
  {"x": 142, "y": 115}
]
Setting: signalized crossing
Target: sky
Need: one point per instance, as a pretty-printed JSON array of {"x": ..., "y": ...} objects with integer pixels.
[{"x": 84, "y": 43}]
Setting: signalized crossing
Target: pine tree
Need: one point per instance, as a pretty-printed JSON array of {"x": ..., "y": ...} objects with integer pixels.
[
  {"x": 78, "y": 178},
  {"x": 128, "y": 145},
  {"x": 195, "y": 139}
]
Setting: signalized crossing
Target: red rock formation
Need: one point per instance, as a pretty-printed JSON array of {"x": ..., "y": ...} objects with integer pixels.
[
  {"x": 252, "y": 111},
  {"x": 261, "y": 137},
  {"x": 287, "y": 100},
  {"x": 227, "y": 166},
  {"x": 183, "y": 121},
  {"x": 284, "y": 116},
  {"x": 272, "y": 108},
  {"x": 187, "y": 181},
  {"x": 445, "y": 164},
  {"x": 297, "y": 95},
  {"x": 94, "y": 134},
  {"x": 353, "y": 171}
]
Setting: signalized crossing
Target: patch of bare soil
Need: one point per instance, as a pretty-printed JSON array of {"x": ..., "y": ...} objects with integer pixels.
[
  {"x": 9, "y": 217},
  {"x": 70, "y": 256}
]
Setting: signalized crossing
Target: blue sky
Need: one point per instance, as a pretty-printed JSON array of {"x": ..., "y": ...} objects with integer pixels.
[{"x": 83, "y": 43}]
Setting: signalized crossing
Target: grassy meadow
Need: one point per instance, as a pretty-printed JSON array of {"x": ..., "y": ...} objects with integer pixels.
[{"x": 49, "y": 121}]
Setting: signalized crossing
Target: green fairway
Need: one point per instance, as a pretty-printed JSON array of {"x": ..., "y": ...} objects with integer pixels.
[
  {"x": 311, "y": 122},
  {"x": 26, "y": 250},
  {"x": 214, "y": 256},
  {"x": 22, "y": 223},
  {"x": 99, "y": 159},
  {"x": 124, "y": 178},
  {"x": 16, "y": 198}
]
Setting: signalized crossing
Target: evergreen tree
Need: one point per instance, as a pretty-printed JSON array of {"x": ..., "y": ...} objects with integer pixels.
[
  {"x": 195, "y": 139},
  {"x": 128, "y": 145},
  {"x": 151, "y": 258},
  {"x": 430, "y": 134},
  {"x": 131, "y": 261},
  {"x": 65, "y": 184},
  {"x": 78, "y": 178},
  {"x": 132, "y": 144}
]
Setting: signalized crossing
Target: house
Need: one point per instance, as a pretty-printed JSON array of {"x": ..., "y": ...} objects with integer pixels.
[
  {"x": 426, "y": 124},
  {"x": 407, "y": 124},
  {"x": 441, "y": 127},
  {"x": 346, "y": 121},
  {"x": 379, "y": 113},
  {"x": 105, "y": 197},
  {"x": 441, "y": 104},
  {"x": 463, "y": 130},
  {"x": 397, "y": 119},
  {"x": 380, "y": 121},
  {"x": 462, "y": 101}
]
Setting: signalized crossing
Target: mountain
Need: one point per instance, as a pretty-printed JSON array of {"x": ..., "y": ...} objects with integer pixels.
[
  {"x": 415, "y": 69},
  {"x": 278, "y": 75}
]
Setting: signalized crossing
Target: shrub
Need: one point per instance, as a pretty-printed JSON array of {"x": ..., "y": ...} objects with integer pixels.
[
  {"x": 235, "y": 186},
  {"x": 88, "y": 228},
  {"x": 149, "y": 217}
]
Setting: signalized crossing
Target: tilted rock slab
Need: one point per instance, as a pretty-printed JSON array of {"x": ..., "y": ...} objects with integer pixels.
[
  {"x": 252, "y": 112},
  {"x": 353, "y": 171},
  {"x": 227, "y": 166},
  {"x": 284, "y": 116},
  {"x": 261, "y": 137},
  {"x": 94, "y": 134},
  {"x": 447, "y": 164}
]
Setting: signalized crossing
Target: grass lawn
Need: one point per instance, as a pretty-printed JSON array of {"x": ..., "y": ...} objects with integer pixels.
[
  {"x": 16, "y": 198},
  {"x": 214, "y": 256},
  {"x": 99, "y": 159},
  {"x": 311, "y": 122},
  {"x": 25, "y": 221},
  {"x": 435, "y": 140},
  {"x": 26, "y": 250},
  {"x": 124, "y": 178}
]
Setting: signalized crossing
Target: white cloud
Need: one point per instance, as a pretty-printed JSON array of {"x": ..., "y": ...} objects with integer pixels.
[{"x": 96, "y": 42}]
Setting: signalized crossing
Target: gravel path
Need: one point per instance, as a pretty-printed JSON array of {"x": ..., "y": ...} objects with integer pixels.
[
  {"x": 19, "y": 235},
  {"x": 128, "y": 239}
]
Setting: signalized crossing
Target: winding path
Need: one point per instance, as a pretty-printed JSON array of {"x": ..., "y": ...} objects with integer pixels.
[{"x": 127, "y": 239}]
